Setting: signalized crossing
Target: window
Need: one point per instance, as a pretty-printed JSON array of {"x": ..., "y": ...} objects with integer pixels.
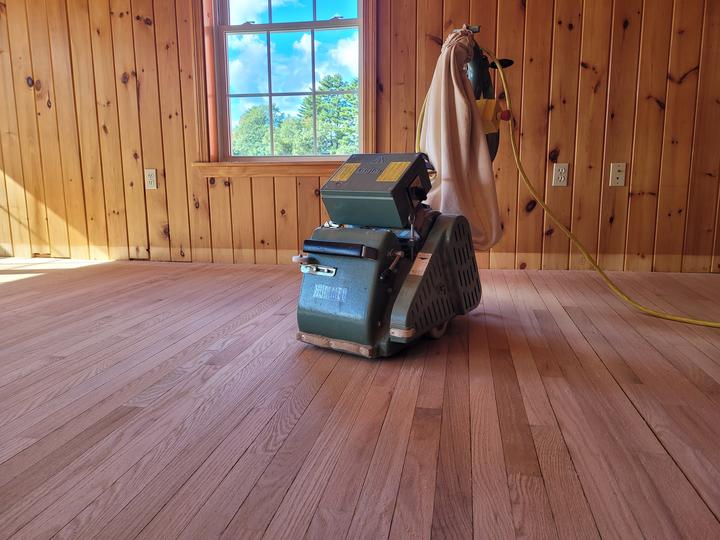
[{"x": 289, "y": 77}]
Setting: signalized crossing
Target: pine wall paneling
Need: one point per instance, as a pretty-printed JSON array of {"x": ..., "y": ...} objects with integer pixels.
[{"x": 94, "y": 91}]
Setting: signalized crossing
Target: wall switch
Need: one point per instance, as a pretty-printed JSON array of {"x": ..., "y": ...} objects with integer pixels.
[
  {"x": 151, "y": 179},
  {"x": 560, "y": 174},
  {"x": 617, "y": 174}
]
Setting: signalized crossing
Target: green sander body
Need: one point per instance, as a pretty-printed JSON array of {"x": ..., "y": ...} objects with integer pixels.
[{"x": 387, "y": 269}]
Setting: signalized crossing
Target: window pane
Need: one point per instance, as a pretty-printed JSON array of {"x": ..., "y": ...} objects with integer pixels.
[
  {"x": 250, "y": 126},
  {"x": 242, "y": 11},
  {"x": 291, "y": 11},
  {"x": 327, "y": 9},
  {"x": 247, "y": 63},
  {"x": 291, "y": 61},
  {"x": 337, "y": 124},
  {"x": 336, "y": 59},
  {"x": 294, "y": 125}
]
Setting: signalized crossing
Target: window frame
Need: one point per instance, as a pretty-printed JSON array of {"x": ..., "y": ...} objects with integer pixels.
[{"x": 366, "y": 77}]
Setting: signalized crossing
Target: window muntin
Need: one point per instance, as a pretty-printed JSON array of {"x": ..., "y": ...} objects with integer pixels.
[{"x": 298, "y": 59}]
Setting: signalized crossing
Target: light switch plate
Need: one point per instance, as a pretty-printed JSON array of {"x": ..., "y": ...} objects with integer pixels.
[
  {"x": 617, "y": 174},
  {"x": 560, "y": 174},
  {"x": 151, "y": 179}
]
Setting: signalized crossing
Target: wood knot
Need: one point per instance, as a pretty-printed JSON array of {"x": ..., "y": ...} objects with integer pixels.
[
  {"x": 317, "y": 192},
  {"x": 49, "y": 104},
  {"x": 125, "y": 78},
  {"x": 212, "y": 181},
  {"x": 523, "y": 266},
  {"x": 38, "y": 85},
  {"x": 197, "y": 205},
  {"x": 554, "y": 155},
  {"x": 283, "y": 212},
  {"x": 549, "y": 232},
  {"x": 227, "y": 183},
  {"x": 530, "y": 206},
  {"x": 30, "y": 81},
  {"x": 148, "y": 21}
]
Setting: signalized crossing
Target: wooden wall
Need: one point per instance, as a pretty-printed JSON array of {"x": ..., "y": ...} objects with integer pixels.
[
  {"x": 595, "y": 82},
  {"x": 93, "y": 91}
]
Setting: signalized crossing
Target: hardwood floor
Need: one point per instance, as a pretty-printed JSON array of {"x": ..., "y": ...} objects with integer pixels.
[{"x": 160, "y": 400}]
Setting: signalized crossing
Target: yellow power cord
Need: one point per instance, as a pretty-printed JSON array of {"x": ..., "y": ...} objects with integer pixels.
[{"x": 574, "y": 239}]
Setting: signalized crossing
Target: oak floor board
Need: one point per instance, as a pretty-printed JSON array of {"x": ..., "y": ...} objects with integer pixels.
[{"x": 164, "y": 400}]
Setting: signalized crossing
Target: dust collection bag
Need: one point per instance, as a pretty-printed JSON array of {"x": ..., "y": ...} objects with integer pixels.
[{"x": 452, "y": 136}]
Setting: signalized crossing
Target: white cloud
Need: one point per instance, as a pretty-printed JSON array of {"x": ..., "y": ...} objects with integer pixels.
[
  {"x": 242, "y": 11},
  {"x": 345, "y": 54},
  {"x": 248, "y": 63}
]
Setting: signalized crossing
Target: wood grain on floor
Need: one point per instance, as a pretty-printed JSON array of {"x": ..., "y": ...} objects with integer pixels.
[{"x": 160, "y": 400}]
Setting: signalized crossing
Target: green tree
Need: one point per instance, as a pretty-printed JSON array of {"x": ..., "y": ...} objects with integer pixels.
[
  {"x": 251, "y": 135},
  {"x": 336, "y": 122}
]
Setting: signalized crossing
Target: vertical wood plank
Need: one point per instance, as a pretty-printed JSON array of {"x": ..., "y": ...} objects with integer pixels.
[
  {"x": 561, "y": 126},
  {"x": 592, "y": 92},
  {"x": 108, "y": 129},
  {"x": 647, "y": 144},
  {"x": 324, "y": 216},
  {"x": 10, "y": 146},
  {"x": 705, "y": 169},
  {"x": 429, "y": 40},
  {"x": 286, "y": 218},
  {"x": 242, "y": 220},
  {"x": 45, "y": 107},
  {"x": 151, "y": 127},
  {"x": 308, "y": 197},
  {"x": 384, "y": 67},
  {"x": 57, "y": 22},
  {"x": 263, "y": 197},
  {"x": 402, "y": 76},
  {"x": 682, "y": 82},
  {"x": 534, "y": 128},
  {"x": 619, "y": 122},
  {"x": 6, "y": 249},
  {"x": 511, "y": 19},
  {"x": 126, "y": 85},
  {"x": 455, "y": 14},
  {"x": 172, "y": 129},
  {"x": 192, "y": 105},
  {"x": 84, "y": 85},
  {"x": 30, "y": 152},
  {"x": 221, "y": 220}
]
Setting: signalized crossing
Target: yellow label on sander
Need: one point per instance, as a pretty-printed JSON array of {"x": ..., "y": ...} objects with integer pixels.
[
  {"x": 394, "y": 171},
  {"x": 345, "y": 171}
]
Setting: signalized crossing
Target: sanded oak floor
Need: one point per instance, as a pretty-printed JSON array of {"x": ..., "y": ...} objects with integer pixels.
[{"x": 160, "y": 400}]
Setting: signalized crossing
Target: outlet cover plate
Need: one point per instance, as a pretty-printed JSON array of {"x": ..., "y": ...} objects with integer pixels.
[
  {"x": 560, "y": 174},
  {"x": 151, "y": 179},
  {"x": 617, "y": 174}
]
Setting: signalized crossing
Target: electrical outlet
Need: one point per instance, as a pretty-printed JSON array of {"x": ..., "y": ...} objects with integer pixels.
[
  {"x": 151, "y": 179},
  {"x": 560, "y": 174},
  {"x": 617, "y": 174}
]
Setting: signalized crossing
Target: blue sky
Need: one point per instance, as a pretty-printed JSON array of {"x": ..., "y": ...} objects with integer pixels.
[
  {"x": 289, "y": 10},
  {"x": 336, "y": 51}
]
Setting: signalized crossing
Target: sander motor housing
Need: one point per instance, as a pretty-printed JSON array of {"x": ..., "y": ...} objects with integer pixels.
[{"x": 387, "y": 269}]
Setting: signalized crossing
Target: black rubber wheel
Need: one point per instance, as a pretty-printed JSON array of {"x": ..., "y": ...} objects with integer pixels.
[{"x": 439, "y": 330}]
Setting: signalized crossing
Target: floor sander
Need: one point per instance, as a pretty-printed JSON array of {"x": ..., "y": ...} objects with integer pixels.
[{"x": 387, "y": 269}]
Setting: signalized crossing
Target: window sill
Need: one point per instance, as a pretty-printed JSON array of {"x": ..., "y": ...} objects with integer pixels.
[{"x": 313, "y": 166}]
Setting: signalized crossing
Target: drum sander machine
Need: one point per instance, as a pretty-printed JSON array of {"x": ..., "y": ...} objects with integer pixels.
[{"x": 387, "y": 270}]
